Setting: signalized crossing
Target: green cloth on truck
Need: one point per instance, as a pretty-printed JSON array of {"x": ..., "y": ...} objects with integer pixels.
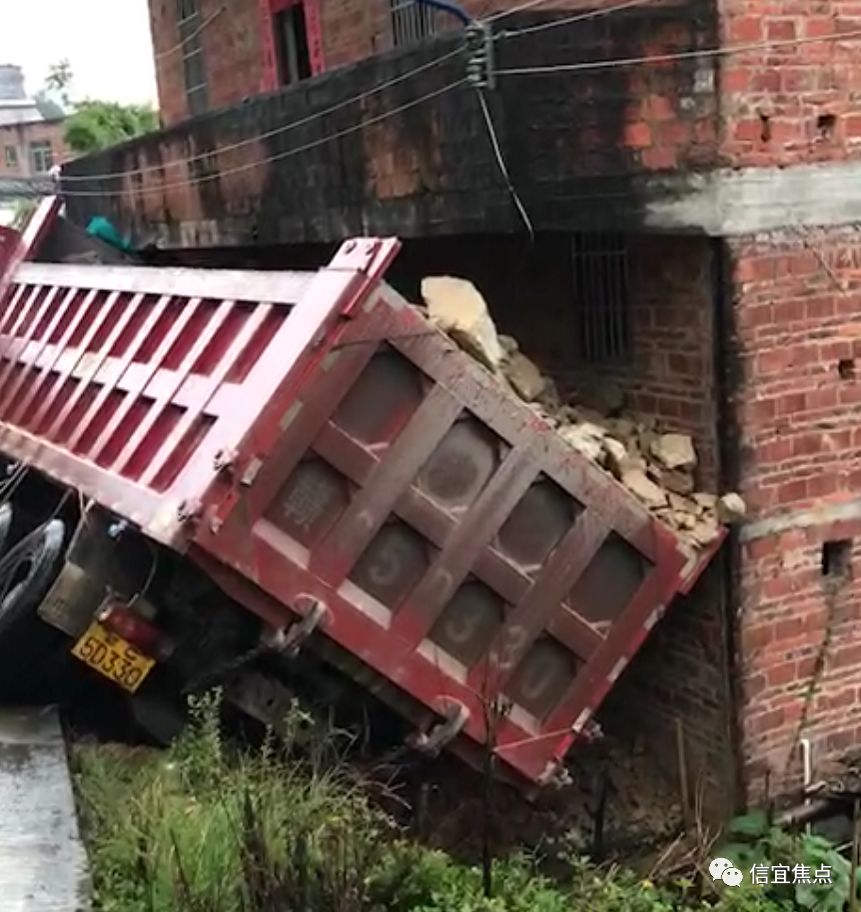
[{"x": 104, "y": 230}]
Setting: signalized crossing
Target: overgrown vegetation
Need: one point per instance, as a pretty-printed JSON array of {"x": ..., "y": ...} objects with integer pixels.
[
  {"x": 92, "y": 124},
  {"x": 96, "y": 125},
  {"x": 206, "y": 828}
]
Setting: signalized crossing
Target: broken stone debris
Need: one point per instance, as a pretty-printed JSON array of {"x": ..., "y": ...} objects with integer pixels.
[
  {"x": 457, "y": 308},
  {"x": 731, "y": 509},
  {"x": 657, "y": 468}
]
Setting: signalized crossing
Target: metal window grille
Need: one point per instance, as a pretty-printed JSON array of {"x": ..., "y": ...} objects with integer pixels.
[
  {"x": 41, "y": 157},
  {"x": 601, "y": 297},
  {"x": 412, "y": 22},
  {"x": 194, "y": 70}
]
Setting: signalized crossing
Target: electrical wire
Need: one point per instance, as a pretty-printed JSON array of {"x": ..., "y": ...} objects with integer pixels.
[
  {"x": 503, "y": 168},
  {"x": 518, "y": 71},
  {"x": 516, "y": 9},
  {"x": 248, "y": 166},
  {"x": 577, "y": 17},
  {"x": 728, "y": 51},
  {"x": 178, "y": 47},
  {"x": 277, "y": 131}
]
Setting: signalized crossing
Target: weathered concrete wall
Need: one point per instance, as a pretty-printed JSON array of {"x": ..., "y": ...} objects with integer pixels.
[{"x": 577, "y": 145}]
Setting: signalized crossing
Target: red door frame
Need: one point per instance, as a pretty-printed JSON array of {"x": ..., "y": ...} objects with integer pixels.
[{"x": 314, "y": 35}]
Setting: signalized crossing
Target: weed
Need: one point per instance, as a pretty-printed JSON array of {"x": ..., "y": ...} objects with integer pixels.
[{"x": 205, "y": 827}]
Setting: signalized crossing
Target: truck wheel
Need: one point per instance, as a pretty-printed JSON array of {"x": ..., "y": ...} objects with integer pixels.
[
  {"x": 5, "y": 525},
  {"x": 27, "y": 572}
]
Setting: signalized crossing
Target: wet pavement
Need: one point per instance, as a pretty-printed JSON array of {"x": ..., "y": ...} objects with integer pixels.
[{"x": 43, "y": 865}]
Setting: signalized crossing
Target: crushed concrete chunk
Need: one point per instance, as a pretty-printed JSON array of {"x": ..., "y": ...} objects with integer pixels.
[
  {"x": 550, "y": 397},
  {"x": 675, "y": 480},
  {"x": 586, "y": 438},
  {"x": 616, "y": 456},
  {"x": 674, "y": 451},
  {"x": 705, "y": 531},
  {"x": 525, "y": 377},
  {"x": 731, "y": 509},
  {"x": 638, "y": 483},
  {"x": 456, "y": 306},
  {"x": 705, "y": 501},
  {"x": 509, "y": 345}
]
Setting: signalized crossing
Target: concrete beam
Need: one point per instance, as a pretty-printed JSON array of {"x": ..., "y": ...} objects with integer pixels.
[
  {"x": 802, "y": 519},
  {"x": 749, "y": 200}
]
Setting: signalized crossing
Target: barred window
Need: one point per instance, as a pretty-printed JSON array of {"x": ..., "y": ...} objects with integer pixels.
[
  {"x": 194, "y": 71},
  {"x": 601, "y": 297},
  {"x": 412, "y": 22}
]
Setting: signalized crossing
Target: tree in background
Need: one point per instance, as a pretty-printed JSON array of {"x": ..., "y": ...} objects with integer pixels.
[
  {"x": 93, "y": 125},
  {"x": 59, "y": 81},
  {"x": 98, "y": 124}
]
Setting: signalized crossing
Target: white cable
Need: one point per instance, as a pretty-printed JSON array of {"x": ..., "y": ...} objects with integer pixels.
[
  {"x": 277, "y": 131},
  {"x": 577, "y": 17},
  {"x": 161, "y": 188},
  {"x": 727, "y": 51},
  {"x": 178, "y": 47},
  {"x": 516, "y": 9},
  {"x": 500, "y": 160}
]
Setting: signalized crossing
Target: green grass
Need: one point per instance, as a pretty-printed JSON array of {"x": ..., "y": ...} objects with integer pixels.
[{"x": 203, "y": 827}]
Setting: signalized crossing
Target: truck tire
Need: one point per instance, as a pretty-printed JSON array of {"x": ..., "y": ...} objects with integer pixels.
[
  {"x": 5, "y": 525},
  {"x": 27, "y": 572}
]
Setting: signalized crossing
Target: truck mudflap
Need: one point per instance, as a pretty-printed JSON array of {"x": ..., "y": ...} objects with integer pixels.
[{"x": 343, "y": 470}]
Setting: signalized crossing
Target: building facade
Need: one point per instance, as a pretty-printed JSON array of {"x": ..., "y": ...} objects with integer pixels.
[
  {"x": 706, "y": 155},
  {"x": 30, "y": 143}
]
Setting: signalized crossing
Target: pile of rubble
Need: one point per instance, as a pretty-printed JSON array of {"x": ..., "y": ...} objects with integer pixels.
[{"x": 658, "y": 468}]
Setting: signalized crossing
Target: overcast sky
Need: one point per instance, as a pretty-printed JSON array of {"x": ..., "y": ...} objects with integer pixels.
[{"x": 107, "y": 42}]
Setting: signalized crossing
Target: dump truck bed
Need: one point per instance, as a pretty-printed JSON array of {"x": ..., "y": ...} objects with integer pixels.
[{"x": 310, "y": 439}]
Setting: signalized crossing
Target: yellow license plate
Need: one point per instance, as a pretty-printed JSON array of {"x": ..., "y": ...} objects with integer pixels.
[{"x": 113, "y": 657}]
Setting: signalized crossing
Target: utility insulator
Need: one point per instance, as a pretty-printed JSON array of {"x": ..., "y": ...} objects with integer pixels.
[{"x": 479, "y": 56}]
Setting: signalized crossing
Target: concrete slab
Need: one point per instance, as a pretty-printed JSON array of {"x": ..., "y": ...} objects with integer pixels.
[{"x": 43, "y": 865}]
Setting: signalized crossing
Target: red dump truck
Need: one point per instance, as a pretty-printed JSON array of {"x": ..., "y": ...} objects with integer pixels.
[{"x": 235, "y": 470}]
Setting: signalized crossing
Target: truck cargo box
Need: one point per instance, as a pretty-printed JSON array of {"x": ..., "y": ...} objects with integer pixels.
[{"x": 315, "y": 444}]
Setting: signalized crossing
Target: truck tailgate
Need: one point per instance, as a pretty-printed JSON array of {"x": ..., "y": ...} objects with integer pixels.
[{"x": 310, "y": 439}]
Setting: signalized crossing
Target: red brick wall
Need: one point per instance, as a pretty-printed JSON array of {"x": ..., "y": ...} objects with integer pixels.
[
  {"x": 798, "y": 409},
  {"x": 658, "y": 132},
  {"x": 232, "y": 52},
  {"x": 669, "y": 374},
  {"x": 778, "y": 104}
]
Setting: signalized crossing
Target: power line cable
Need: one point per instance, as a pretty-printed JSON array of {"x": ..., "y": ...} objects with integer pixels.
[
  {"x": 161, "y": 188},
  {"x": 503, "y": 168},
  {"x": 277, "y": 131},
  {"x": 729, "y": 50},
  {"x": 516, "y": 9},
  {"x": 361, "y": 96},
  {"x": 577, "y": 17},
  {"x": 178, "y": 47}
]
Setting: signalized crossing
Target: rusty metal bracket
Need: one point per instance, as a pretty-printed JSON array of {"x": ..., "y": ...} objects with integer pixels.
[
  {"x": 432, "y": 742},
  {"x": 292, "y": 640}
]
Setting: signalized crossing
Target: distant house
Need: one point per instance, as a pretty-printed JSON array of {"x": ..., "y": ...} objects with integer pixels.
[{"x": 31, "y": 143}]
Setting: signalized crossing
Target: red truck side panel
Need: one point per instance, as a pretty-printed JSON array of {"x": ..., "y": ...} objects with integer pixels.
[
  {"x": 127, "y": 382},
  {"x": 311, "y": 437},
  {"x": 464, "y": 551}
]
